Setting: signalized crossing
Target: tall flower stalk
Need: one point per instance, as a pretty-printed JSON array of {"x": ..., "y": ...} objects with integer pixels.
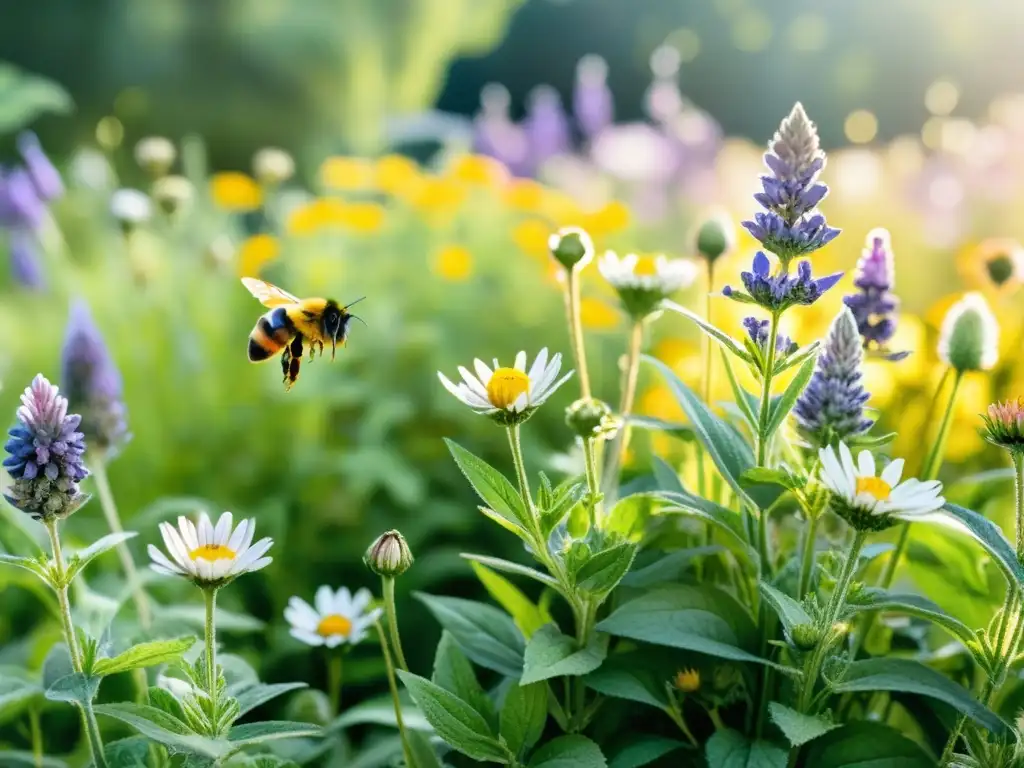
[{"x": 389, "y": 557}]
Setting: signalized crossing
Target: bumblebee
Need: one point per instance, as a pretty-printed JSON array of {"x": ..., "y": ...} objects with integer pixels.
[{"x": 292, "y": 321}]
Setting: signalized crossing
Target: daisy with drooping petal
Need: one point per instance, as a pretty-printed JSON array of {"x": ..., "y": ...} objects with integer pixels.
[
  {"x": 337, "y": 618},
  {"x": 642, "y": 282},
  {"x": 508, "y": 395},
  {"x": 870, "y": 501},
  {"x": 208, "y": 554}
]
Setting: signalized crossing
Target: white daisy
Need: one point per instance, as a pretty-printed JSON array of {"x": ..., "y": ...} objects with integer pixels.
[
  {"x": 339, "y": 617},
  {"x": 210, "y": 555},
  {"x": 869, "y": 501},
  {"x": 509, "y": 395},
  {"x": 643, "y": 281},
  {"x": 131, "y": 207}
]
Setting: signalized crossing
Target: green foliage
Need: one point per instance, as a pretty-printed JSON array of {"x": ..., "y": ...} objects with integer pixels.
[
  {"x": 26, "y": 97},
  {"x": 866, "y": 743},
  {"x": 568, "y": 752},
  {"x": 730, "y": 749},
  {"x": 144, "y": 655},
  {"x": 485, "y": 634},
  {"x": 549, "y": 654},
  {"x": 523, "y": 716},
  {"x": 797, "y": 727}
]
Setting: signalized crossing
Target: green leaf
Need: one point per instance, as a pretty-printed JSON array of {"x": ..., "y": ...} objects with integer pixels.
[
  {"x": 30, "y": 564},
  {"x": 907, "y": 676},
  {"x": 552, "y": 654},
  {"x": 645, "y": 750},
  {"x": 269, "y": 730},
  {"x": 789, "y": 610},
  {"x": 25, "y": 97},
  {"x": 17, "y": 759},
  {"x": 638, "y": 676},
  {"x": 747, "y": 403},
  {"x": 730, "y": 749},
  {"x": 989, "y": 536},
  {"x": 865, "y": 744},
  {"x": 485, "y": 634},
  {"x": 912, "y": 605},
  {"x": 603, "y": 571},
  {"x": 507, "y": 566},
  {"x": 523, "y": 716},
  {"x": 674, "y": 429},
  {"x": 524, "y": 612},
  {"x": 669, "y": 568},
  {"x": 568, "y": 752},
  {"x": 490, "y": 485},
  {"x": 779, "y": 477},
  {"x": 81, "y": 559},
  {"x": 797, "y": 358},
  {"x": 253, "y": 695},
  {"x": 455, "y": 721},
  {"x": 797, "y": 727},
  {"x": 381, "y": 711},
  {"x": 165, "y": 701},
  {"x": 74, "y": 688},
  {"x": 145, "y": 655},
  {"x": 162, "y": 727},
  {"x": 725, "y": 520},
  {"x": 131, "y": 752},
  {"x": 704, "y": 619},
  {"x": 781, "y": 407},
  {"x": 423, "y": 753},
  {"x": 173, "y": 616},
  {"x": 16, "y": 694},
  {"x": 453, "y": 672},
  {"x": 728, "y": 342}
]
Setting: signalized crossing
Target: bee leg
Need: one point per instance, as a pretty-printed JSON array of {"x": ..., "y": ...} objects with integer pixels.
[
  {"x": 286, "y": 358},
  {"x": 295, "y": 362}
]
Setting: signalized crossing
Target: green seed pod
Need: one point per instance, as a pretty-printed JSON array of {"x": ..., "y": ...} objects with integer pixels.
[{"x": 571, "y": 247}]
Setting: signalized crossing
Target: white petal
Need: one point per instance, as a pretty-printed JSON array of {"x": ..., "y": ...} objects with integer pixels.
[
  {"x": 832, "y": 472},
  {"x": 324, "y": 601},
  {"x": 846, "y": 458},
  {"x": 188, "y": 532},
  {"x": 361, "y": 600},
  {"x": 300, "y": 614},
  {"x": 520, "y": 363},
  {"x": 539, "y": 364},
  {"x": 454, "y": 390},
  {"x": 473, "y": 383},
  {"x": 247, "y": 560},
  {"x": 247, "y": 539},
  {"x": 551, "y": 390},
  {"x": 222, "y": 532},
  {"x": 866, "y": 464},
  {"x": 159, "y": 559},
  {"x": 520, "y": 404},
  {"x": 238, "y": 537},
  {"x": 204, "y": 570},
  {"x": 892, "y": 472},
  {"x": 174, "y": 545},
  {"x": 204, "y": 530},
  {"x": 333, "y": 641},
  {"x": 310, "y": 638},
  {"x": 343, "y": 602},
  {"x": 483, "y": 372},
  {"x": 260, "y": 564}
]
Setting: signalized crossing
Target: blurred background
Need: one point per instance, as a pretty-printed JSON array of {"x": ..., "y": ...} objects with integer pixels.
[{"x": 419, "y": 152}]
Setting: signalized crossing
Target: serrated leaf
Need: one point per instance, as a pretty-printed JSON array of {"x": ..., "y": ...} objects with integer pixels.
[
  {"x": 866, "y": 744},
  {"x": 453, "y": 672},
  {"x": 912, "y": 605},
  {"x": 145, "y": 655},
  {"x": 163, "y": 728},
  {"x": 455, "y": 721},
  {"x": 523, "y": 716},
  {"x": 524, "y": 612},
  {"x": 799, "y": 728},
  {"x": 485, "y": 634},
  {"x": 723, "y": 519},
  {"x": 507, "y": 566},
  {"x": 30, "y": 564},
  {"x": 552, "y": 654},
  {"x": 635, "y": 676},
  {"x": 789, "y": 610},
  {"x": 645, "y": 750},
  {"x": 77, "y": 688},
  {"x": 490, "y": 485},
  {"x": 730, "y": 749},
  {"x": 603, "y": 570},
  {"x": 269, "y": 730},
  {"x": 165, "y": 701},
  {"x": 568, "y": 752},
  {"x": 251, "y": 696},
  {"x": 381, "y": 711},
  {"x": 102, "y": 545}
]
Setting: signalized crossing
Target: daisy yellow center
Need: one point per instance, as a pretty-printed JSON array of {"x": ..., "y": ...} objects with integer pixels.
[
  {"x": 874, "y": 486},
  {"x": 506, "y": 385},
  {"x": 334, "y": 625},
  {"x": 646, "y": 266},
  {"x": 213, "y": 552}
]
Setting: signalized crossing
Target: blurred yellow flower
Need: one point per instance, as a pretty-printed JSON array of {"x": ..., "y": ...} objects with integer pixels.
[
  {"x": 610, "y": 218},
  {"x": 563, "y": 211},
  {"x": 235, "y": 191},
  {"x": 678, "y": 353},
  {"x": 880, "y": 381},
  {"x": 255, "y": 253},
  {"x": 395, "y": 174},
  {"x": 659, "y": 402},
  {"x": 316, "y": 215},
  {"x": 994, "y": 266},
  {"x": 347, "y": 173},
  {"x": 365, "y": 218},
  {"x": 478, "y": 169},
  {"x": 453, "y": 263},
  {"x": 662, "y": 444},
  {"x": 439, "y": 196},
  {"x": 524, "y": 195},
  {"x": 532, "y": 236},
  {"x": 597, "y": 315}
]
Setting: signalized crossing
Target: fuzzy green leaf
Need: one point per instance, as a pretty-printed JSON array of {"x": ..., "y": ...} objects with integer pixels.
[
  {"x": 30, "y": 564},
  {"x": 25, "y": 97},
  {"x": 797, "y": 358},
  {"x": 730, "y": 749},
  {"x": 101, "y": 546},
  {"x": 490, "y": 485},
  {"x": 269, "y": 730},
  {"x": 10, "y": 758},
  {"x": 781, "y": 406},
  {"x": 789, "y": 610},
  {"x": 552, "y": 654},
  {"x": 645, "y": 750},
  {"x": 524, "y": 612},
  {"x": 163, "y": 728},
  {"x": 16, "y": 694},
  {"x": 131, "y": 752},
  {"x": 603, "y": 570},
  {"x": 254, "y": 694},
  {"x": 485, "y": 634},
  {"x": 638, "y": 676},
  {"x": 799, "y": 728},
  {"x": 866, "y": 744},
  {"x": 725, "y": 520},
  {"x": 669, "y": 568},
  {"x": 912, "y": 605},
  {"x": 381, "y": 711},
  {"x": 728, "y": 342},
  {"x": 568, "y": 752},
  {"x": 989, "y": 536},
  {"x": 77, "y": 688},
  {"x": 145, "y": 655},
  {"x": 453, "y": 672},
  {"x": 507, "y": 566},
  {"x": 523, "y": 716}
]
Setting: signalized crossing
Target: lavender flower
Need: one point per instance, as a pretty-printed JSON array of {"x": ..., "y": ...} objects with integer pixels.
[
  {"x": 792, "y": 225},
  {"x": 45, "y": 177},
  {"x": 92, "y": 381},
  {"x": 494, "y": 133},
  {"x": 831, "y": 408},
  {"x": 45, "y": 455},
  {"x": 546, "y": 127},
  {"x": 759, "y": 332},
  {"x": 592, "y": 102},
  {"x": 875, "y": 306},
  {"x": 778, "y": 293},
  {"x": 26, "y": 268},
  {"x": 20, "y": 204}
]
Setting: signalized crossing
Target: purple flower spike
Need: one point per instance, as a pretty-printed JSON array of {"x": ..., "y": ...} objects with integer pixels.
[
  {"x": 26, "y": 268},
  {"x": 592, "y": 102},
  {"x": 92, "y": 382},
  {"x": 778, "y": 293},
  {"x": 20, "y": 204},
  {"x": 45, "y": 177},
  {"x": 45, "y": 455},
  {"x": 831, "y": 408},
  {"x": 792, "y": 225},
  {"x": 546, "y": 126},
  {"x": 874, "y": 306},
  {"x": 759, "y": 332}
]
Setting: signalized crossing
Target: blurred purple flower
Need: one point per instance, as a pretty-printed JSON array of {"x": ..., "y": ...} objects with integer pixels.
[
  {"x": 45, "y": 453},
  {"x": 494, "y": 133},
  {"x": 874, "y": 306},
  {"x": 26, "y": 268},
  {"x": 92, "y": 382},
  {"x": 20, "y": 204},
  {"x": 592, "y": 102},
  {"x": 546, "y": 126},
  {"x": 45, "y": 177},
  {"x": 779, "y": 292}
]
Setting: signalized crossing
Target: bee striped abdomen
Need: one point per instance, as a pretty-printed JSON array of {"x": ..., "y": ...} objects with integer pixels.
[{"x": 272, "y": 333}]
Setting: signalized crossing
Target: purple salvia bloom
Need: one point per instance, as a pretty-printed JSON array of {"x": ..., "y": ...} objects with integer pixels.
[
  {"x": 494, "y": 133},
  {"x": 45, "y": 177},
  {"x": 831, "y": 408},
  {"x": 790, "y": 193},
  {"x": 874, "y": 306},
  {"x": 20, "y": 204},
  {"x": 26, "y": 267},
  {"x": 92, "y": 382},
  {"x": 45, "y": 455},
  {"x": 546, "y": 126},
  {"x": 779, "y": 292},
  {"x": 592, "y": 101},
  {"x": 759, "y": 332}
]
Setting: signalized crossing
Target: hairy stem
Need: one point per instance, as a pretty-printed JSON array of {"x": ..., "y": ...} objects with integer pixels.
[
  {"x": 393, "y": 686},
  {"x": 210, "y": 594},
  {"x": 388, "y": 588},
  {"x": 1018, "y": 489},
  {"x": 593, "y": 481},
  {"x": 572, "y": 310},
  {"x": 621, "y": 442}
]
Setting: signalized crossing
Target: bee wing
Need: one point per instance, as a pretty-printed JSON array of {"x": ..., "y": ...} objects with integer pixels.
[{"x": 269, "y": 295}]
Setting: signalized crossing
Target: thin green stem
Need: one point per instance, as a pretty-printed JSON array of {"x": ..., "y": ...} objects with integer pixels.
[
  {"x": 1018, "y": 489},
  {"x": 813, "y": 512},
  {"x": 572, "y": 310},
  {"x": 621, "y": 442},
  {"x": 92, "y": 730},
  {"x": 395, "y": 700},
  {"x": 763, "y": 438},
  {"x": 675, "y": 712},
  {"x": 593, "y": 481},
  {"x": 706, "y": 382},
  {"x": 515, "y": 444},
  {"x": 106, "y": 498},
  {"x": 334, "y": 681},
  {"x": 210, "y": 594},
  {"x": 388, "y": 588},
  {"x": 36, "y": 730}
]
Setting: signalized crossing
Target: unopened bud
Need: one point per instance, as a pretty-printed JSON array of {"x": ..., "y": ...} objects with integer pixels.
[
  {"x": 715, "y": 237},
  {"x": 687, "y": 680},
  {"x": 805, "y": 636},
  {"x": 571, "y": 247},
  {"x": 389, "y": 555},
  {"x": 592, "y": 418},
  {"x": 272, "y": 166},
  {"x": 155, "y": 155},
  {"x": 969, "y": 340},
  {"x": 172, "y": 193}
]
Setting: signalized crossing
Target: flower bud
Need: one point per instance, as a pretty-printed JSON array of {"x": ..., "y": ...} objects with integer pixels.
[
  {"x": 969, "y": 340},
  {"x": 131, "y": 208},
  {"x": 1004, "y": 425},
  {"x": 592, "y": 418},
  {"x": 172, "y": 193},
  {"x": 687, "y": 680},
  {"x": 715, "y": 237},
  {"x": 571, "y": 247},
  {"x": 805, "y": 637},
  {"x": 389, "y": 555},
  {"x": 155, "y": 155},
  {"x": 272, "y": 166}
]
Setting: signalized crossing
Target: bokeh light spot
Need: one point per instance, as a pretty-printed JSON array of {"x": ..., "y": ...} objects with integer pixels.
[
  {"x": 109, "y": 132},
  {"x": 808, "y": 33},
  {"x": 686, "y": 42},
  {"x": 861, "y": 126},
  {"x": 752, "y": 32},
  {"x": 941, "y": 97}
]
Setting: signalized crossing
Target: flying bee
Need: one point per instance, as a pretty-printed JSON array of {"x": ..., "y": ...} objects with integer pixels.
[{"x": 292, "y": 321}]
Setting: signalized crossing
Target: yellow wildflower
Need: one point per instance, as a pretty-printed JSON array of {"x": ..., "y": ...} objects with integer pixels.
[
  {"x": 439, "y": 196},
  {"x": 255, "y": 253},
  {"x": 524, "y": 195},
  {"x": 610, "y": 218},
  {"x": 453, "y": 263},
  {"x": 532, "y": 236},
  {"x": 675, "y": 352},
  {"x": 235, "y": 191},
  {"x": 687, "y": 680},
  {"x": 478, "y": 169},
  {"x": 364, "y": 218},
  {"x": 316, "y": 215},
  {"x": 597, "y": 315},
  {"x": 395, "y": 174},
  {"x": 995, "y": 265},
  {"x": 660, "y": 403},
  {"x": 347, "y": 173}
]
